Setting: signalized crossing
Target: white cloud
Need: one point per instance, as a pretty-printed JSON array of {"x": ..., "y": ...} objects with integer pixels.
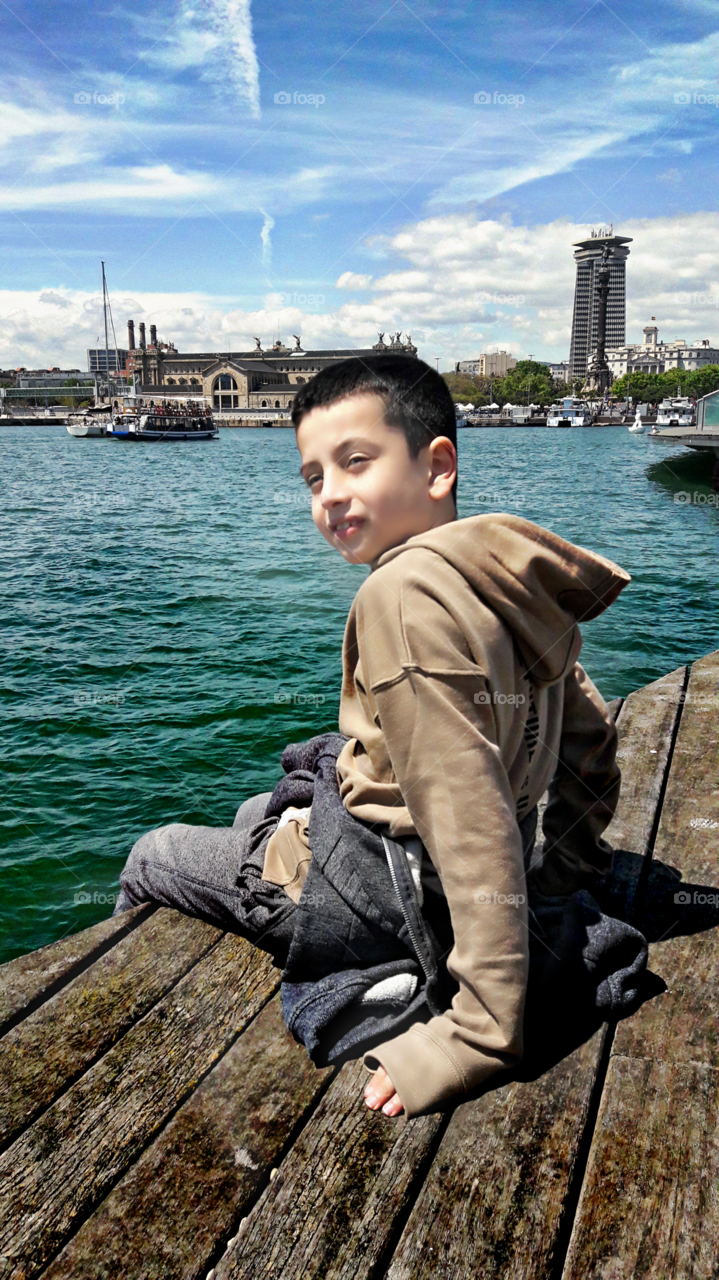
[
  {"x": 353, "y": 280},
  {"x": 267, "y": 226},
  {"x": 215, "y": 37},
  {"x": 466, "y": 285},
  {"x": 559, "y": 156}
]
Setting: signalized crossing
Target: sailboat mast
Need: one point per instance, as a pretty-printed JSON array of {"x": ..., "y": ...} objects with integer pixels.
[{"x": 107, "y": 352}]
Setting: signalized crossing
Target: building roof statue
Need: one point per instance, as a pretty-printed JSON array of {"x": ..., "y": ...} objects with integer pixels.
[{"x": 381, "y": 344}]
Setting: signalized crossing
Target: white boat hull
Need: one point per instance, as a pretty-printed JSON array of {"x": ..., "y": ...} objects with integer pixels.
[{"x": 82, "y": 429}]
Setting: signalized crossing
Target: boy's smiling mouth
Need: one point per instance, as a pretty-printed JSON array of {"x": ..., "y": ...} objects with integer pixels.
[{"x": 343, "y": 528}]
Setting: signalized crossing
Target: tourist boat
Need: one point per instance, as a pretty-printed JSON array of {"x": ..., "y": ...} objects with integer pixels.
[
  {"x": 677, "y": 412},
  {"x": 187, "y": 420},
  {"x": 90, "y": 422},
  {"x": 569, "y": 412}
]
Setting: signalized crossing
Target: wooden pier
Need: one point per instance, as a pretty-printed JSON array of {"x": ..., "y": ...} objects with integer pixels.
[{"x": 158, "y": 1121}]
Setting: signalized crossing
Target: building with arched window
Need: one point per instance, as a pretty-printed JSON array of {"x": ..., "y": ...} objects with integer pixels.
[{"x": 266, "y": 378}]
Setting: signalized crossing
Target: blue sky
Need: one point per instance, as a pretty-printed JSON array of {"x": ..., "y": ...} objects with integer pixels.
[{"x": 383, "y": 195}]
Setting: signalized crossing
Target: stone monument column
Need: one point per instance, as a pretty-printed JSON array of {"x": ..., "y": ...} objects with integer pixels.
[{"x": 599, "y": 377}]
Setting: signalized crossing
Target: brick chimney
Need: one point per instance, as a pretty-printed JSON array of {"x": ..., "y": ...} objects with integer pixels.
[
  {"x": 131, "y": 334},
  {"x": 143, "y": 344},
  {"x": 153, "y": 335}
]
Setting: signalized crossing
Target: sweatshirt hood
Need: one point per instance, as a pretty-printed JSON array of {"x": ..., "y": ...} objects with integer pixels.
[{"x": 539, "y": 584}]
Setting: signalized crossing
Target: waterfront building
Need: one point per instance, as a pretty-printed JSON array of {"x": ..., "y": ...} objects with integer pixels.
[
  {"x": 559, "y": 369},
  {"x": 50, "y": 379},
  {"x": 491, "y": 364},
  {"x": 98, "y": 360},
  {"x": 653, "y": 356},
  {"x": 266, "y": 377},
  {"x": 588, "y": 256}
]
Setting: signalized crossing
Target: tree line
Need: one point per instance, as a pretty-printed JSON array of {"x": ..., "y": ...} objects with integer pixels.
[
  {"x": 529, "y": 380},
  {"x": 533, "y": 381},
  {"x": 650, "y": 388}
]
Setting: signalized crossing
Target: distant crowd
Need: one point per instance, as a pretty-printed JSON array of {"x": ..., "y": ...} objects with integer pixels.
[
  {"x": 176, "y": 408},
  {"x": 182, "y": 408}
]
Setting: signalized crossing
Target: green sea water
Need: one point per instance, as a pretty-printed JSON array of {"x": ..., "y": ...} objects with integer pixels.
[{"x": 171, "y": 619}]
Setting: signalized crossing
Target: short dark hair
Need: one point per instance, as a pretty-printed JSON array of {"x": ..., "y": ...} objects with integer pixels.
[{"x": 417, "y": 399}]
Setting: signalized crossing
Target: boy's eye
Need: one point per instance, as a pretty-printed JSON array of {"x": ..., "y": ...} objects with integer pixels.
[
  {"x": 313, "y": 479},
  {"x": 356, "y": 457}
]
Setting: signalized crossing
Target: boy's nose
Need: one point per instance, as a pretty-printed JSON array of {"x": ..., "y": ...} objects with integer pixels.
[{"x": 334, "y": 491}]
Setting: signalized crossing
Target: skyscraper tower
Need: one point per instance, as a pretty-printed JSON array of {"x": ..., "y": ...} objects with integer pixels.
[{"x": 588, "y": 257}]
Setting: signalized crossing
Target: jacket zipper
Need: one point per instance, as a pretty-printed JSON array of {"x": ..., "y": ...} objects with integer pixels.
[{"x": 403, "y": 908}]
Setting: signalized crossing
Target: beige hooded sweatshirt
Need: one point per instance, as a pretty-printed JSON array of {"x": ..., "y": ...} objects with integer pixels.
[{"x": 463, "y": 701}]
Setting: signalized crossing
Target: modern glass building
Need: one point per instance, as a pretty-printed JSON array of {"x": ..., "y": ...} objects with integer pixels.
[
  {"x": 97, "y": 363},
  {"x": 587, "y": 256}
]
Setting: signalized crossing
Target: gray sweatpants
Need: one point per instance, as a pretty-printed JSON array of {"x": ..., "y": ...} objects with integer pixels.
[{"x": 193, "y": 869}]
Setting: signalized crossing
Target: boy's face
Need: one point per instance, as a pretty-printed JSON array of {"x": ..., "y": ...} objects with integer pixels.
[{"x": 368, "y": 494}]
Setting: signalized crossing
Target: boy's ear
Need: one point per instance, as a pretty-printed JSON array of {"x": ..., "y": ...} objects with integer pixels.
[{"x": 443, "y": 467}]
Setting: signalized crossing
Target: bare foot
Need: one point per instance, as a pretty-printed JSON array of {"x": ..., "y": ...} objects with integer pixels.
[{"x": 380, "y": 1092}]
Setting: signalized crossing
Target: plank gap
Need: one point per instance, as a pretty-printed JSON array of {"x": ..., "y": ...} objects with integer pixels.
[
  {"x": 576, "y": 1178},
  {"x": 220, "y": 1249},
  {"x": 402, "y": 1218},
  {"x": 649, "y": 853},
  {"x": 81, "y": 966}
]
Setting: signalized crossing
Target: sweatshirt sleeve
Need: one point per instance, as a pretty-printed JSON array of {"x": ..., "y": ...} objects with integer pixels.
[
  {"x": 584, "y": 792},
  {"x": 443, "y": 746}
]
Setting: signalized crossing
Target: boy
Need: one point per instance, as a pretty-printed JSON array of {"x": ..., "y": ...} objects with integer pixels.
[{"x": 462, "y": 700}]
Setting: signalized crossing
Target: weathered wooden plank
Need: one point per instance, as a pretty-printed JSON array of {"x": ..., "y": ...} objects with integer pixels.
[
  {"x": 650, "y": 1190},
  {"x": 680, "y": 1024},
  {"x": 56, "y": 1043},
  {"x": 191, "y": 1187},
  {"x": 646, "y": 728},
  {"x": 60, "y": 1168},
  {"x": 28, "y": 980},
  {"x": 494, "y": 1199},
  {"x": 652, "y": 1202},
  {"x": 331, "y": 1209}
]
